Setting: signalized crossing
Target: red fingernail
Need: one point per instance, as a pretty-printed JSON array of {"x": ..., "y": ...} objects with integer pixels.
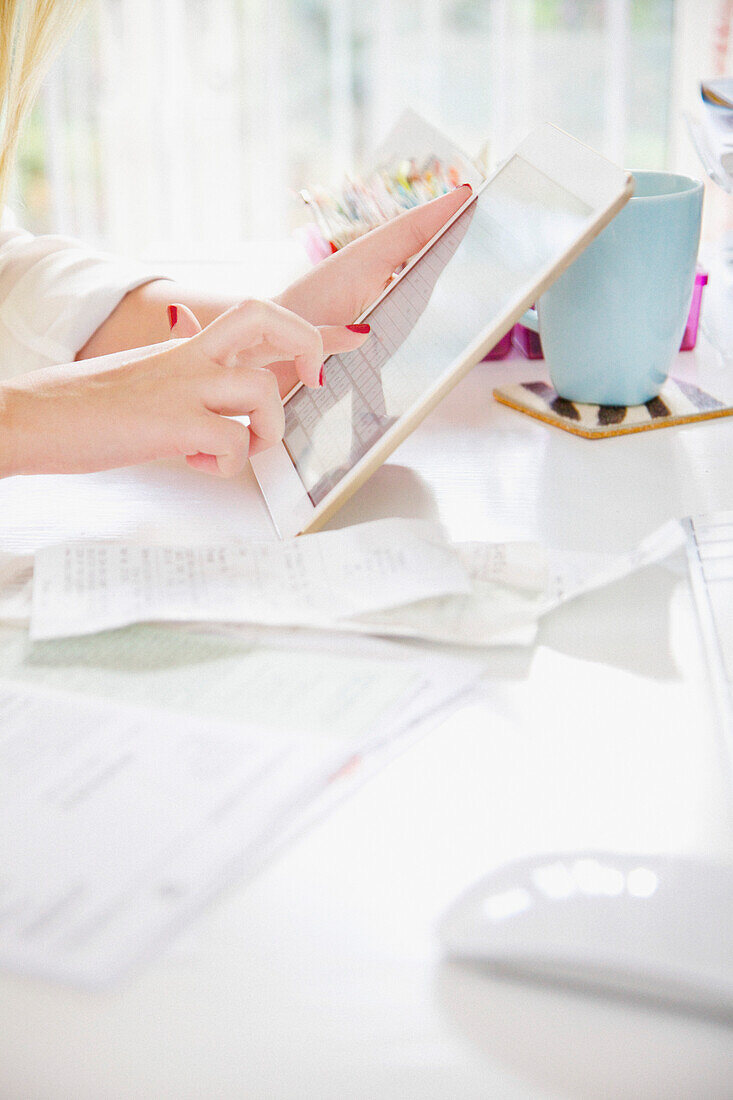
[
  {"x": 361, "y": 329},
  {"x": 172, "y": 316},
  {"x": 320, "y": 377}
]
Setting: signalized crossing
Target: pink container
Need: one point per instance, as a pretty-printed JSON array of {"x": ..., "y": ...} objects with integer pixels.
[
  {"x": 502, "y": 349},
  {"x": 529, "y": 343},
  {"x": 690, "y": 337}
]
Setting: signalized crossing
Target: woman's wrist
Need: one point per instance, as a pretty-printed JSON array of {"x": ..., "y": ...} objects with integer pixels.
[
  {"x": 15, "y": 438},
  {"x": 8, "y": 433}
]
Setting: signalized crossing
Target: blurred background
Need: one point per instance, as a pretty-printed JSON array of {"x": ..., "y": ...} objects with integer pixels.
[{"x": 178, "y": 129}]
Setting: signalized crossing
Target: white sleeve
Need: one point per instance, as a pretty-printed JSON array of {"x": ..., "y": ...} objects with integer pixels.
[{"x": 54, "y": 293}]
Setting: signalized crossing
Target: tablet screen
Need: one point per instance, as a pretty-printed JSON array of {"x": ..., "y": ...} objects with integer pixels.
[{"x": 477, "y": 270}]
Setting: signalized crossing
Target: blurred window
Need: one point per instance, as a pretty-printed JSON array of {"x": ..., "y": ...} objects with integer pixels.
[{"x": 178, "y": 128}]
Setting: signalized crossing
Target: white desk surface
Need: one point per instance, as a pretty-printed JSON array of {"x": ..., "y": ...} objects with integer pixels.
[{"x": 323, "y": 978}]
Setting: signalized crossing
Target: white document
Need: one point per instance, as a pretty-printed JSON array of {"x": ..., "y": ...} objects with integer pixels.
[
  {"x": 513, "y": 586},
  {"x": 313, "y": 580},
  {"x": 16, "y": 587},
  {"x": 571, "y": 574},
  {"x": 508, "y": 587},
  {"x": 278, "y": 679},
  {"x": 117, "y": 823},
  {"x": 358, "y": 696},
  {"x": 106, "y": 810}
]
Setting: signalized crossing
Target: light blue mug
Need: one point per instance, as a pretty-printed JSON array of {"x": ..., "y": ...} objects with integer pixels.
[{"x": 611, "y": 324}]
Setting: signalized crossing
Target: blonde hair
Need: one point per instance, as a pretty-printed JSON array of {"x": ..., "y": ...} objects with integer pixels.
[{"x": 30, "y": 33}]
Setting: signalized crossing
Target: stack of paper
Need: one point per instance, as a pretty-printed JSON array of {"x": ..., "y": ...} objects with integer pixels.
[{"x": 142, "y": 769}]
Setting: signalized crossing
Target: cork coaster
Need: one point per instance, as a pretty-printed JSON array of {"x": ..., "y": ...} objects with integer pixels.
[{"x": 678, "y": 403}]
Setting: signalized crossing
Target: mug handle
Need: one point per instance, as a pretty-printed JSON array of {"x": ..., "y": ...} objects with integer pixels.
[{"x": 530, "y": 320}]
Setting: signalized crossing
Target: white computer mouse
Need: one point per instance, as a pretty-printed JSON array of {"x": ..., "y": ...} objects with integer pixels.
[{"x": 657, "y": 926}]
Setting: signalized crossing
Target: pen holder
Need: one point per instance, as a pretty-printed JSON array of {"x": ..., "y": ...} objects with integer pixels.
[{"x": 529, "y": 344}]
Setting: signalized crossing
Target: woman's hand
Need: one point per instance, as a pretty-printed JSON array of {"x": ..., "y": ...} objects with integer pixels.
[
  {"x": 93, "y": 415},
  {"x": 334, "y": 292},
  {"x": 340, "y": 288}
]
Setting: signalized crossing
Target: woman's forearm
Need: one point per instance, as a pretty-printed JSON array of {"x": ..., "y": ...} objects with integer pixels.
[{"x": 141, "y": 318}]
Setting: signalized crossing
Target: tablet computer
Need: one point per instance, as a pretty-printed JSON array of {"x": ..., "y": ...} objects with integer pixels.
[{"x": 448, "y": 306}]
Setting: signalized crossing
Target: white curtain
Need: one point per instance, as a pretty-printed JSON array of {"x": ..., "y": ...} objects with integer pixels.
[{"x": 180, "y": 128}]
